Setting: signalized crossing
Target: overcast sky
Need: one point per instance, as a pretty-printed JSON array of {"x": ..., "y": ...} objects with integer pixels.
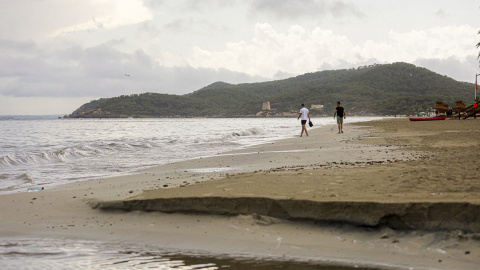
[{"x": 56, "y": 55}]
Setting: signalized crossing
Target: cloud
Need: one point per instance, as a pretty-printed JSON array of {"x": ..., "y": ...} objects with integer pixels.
[
  {"x": 32, "y": 70},
  {"x": 269, "y": 52},
  {"x": 109, "y": 14},
  {"x": 39, "y": 20},
  {"x": 437, "y": 42},
  {"x": 441, "y": 14},
  {"x": 460, "y": 69},
  {"x": 298, "y": 50},
  {"x": 297, "y": 9},
  {"x": 189, "y": 5},
  {"x": 99, "y": 71}
]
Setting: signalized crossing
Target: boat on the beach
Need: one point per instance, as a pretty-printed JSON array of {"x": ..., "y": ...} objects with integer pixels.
[{"x": 427, "y": 118}]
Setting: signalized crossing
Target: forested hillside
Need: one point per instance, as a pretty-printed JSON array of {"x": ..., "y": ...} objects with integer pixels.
[{"x": 398, "y": 88}]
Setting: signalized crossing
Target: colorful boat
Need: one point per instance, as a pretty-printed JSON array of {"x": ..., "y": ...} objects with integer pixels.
[{"x": 427, "y": 118}]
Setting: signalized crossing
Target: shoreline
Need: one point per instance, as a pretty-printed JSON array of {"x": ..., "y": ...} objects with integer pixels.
[
  {"x": 114, "y": 158},
  {"x": 334, "y": 166}
]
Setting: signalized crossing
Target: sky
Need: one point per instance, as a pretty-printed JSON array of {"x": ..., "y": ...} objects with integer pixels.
[{"x": 56, "y": 55}]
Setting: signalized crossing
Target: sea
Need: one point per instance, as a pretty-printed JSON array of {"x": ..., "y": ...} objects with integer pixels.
[{"x": 48, "y": 151}]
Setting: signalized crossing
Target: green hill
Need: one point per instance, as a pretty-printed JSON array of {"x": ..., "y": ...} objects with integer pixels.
[{"x": 398, "y": 88}]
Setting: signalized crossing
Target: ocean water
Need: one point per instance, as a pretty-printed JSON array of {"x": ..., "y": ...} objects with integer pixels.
[
  {"x": 49, "y": 152},
  {"x": 39, "y": 254}
]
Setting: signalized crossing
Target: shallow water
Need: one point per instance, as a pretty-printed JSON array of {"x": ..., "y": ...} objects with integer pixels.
[
  {"x": 22, "y": 253},
  {"x": 57, "y": 151}
]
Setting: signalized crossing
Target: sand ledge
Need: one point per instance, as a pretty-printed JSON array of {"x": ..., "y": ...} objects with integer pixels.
[{"x": 403, "y": 216}]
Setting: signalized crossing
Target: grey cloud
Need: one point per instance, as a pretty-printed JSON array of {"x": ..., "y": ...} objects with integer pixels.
[
  {"x": 98, "y": 24},
  {"x": 195, "y": 26},
  {"x": 189, "y": 5},
  {"x": 304, "y": 8},
  {"x": 15, "y": 47},
  {"x": 179, "y": 25},
  {"x": 458, "y": 69},
  {"x": 340, "y": 8},
  {"x": 153, "y": 4},
  {"x": 441, "y": 14},
  {"x": 280, "y": 75},
  {"x": 292, "y": 9},
  {"x": 149, "y": 29},
  {"x": 100, "y": 71}
]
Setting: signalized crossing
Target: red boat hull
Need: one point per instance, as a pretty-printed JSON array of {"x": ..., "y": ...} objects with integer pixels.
[{"x": 428, "y": 118}]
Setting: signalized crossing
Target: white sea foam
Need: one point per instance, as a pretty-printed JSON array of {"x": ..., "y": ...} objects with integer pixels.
[{"x": 249, "y": 132}]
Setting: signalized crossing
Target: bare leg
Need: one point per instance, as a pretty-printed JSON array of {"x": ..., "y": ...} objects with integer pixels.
[{"x": 304, "y": 129}]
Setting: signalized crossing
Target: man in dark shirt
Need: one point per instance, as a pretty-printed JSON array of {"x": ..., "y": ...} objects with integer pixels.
[{"x": 341, "y": 114}]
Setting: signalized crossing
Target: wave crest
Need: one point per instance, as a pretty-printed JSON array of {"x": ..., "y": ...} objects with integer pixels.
[
  {"x": 25, "y": 178},
  {"x": 249, "y": 132},
  {"x": 71, "y": 153}
]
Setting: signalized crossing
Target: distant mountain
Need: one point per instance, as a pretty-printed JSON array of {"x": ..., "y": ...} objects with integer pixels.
[
  {"x": 217, "y": 85},
  {"x": 398, "y": 88}
]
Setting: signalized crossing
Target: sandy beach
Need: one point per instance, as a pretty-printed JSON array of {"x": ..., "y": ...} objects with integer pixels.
[{"x": 390, "y": 194}]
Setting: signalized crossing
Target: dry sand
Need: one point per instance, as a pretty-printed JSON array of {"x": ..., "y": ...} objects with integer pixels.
[{"x": 388, "y": 193}]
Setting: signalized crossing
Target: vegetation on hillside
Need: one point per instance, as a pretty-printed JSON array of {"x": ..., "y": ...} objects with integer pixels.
[{"x": 398, "y": 88}]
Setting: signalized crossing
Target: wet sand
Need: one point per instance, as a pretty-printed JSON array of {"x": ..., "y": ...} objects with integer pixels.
[{"x": 388, "y": 193}]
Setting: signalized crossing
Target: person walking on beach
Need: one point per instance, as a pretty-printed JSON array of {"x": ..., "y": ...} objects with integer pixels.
[
  {"x": 341, "y": 114},
  {"x": 305, "y": 115}
]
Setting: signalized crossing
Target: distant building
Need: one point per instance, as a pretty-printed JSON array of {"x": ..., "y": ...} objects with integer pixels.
[
  {"x": 266, "y": 106},
  {"x": 318, "y": 107}
]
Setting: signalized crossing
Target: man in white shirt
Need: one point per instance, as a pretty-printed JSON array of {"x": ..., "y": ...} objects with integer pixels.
[{"x": 305, "y": 115}]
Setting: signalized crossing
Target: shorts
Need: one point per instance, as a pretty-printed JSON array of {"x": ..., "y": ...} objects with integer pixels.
[
  {"x": 339, "y": 120},
  {"x": 304, "y": 122}
]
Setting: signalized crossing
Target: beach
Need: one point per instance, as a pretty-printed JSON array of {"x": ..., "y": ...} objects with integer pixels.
[{"x": 388, "y": 194}]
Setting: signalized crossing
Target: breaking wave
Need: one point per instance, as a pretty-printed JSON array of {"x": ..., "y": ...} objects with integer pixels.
[
  {"x": 249, "y": 132},
  {"x": 25, "y": 179},
  {"x": 70, "y": 153}
]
